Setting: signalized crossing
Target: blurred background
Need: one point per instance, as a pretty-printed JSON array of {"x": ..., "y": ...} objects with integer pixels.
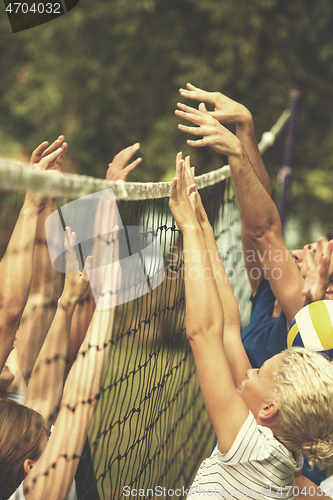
[{"x": 107, "y": 74}]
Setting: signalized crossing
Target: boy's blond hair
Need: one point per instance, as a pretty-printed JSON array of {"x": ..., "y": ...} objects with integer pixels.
[{"x": 303, "y": 391}]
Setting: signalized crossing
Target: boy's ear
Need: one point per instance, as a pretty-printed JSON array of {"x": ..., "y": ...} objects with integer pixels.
[{"x": 268, "y": 411}]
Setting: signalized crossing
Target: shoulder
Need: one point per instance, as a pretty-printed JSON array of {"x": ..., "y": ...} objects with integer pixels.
[{"x": 18, "y": 494}]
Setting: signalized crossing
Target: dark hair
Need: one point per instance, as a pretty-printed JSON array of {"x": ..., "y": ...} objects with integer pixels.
[{"x": 21, "y": 431}]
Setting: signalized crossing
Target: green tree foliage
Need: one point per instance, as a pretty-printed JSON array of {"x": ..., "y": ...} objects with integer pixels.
[{"x": 107, "y": 75}]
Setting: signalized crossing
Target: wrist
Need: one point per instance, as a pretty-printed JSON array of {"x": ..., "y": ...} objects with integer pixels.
[
  {"x": 66, "y": 304},
  {"x": 29, "y": 209},
  {"x": 244, "y": 119}
]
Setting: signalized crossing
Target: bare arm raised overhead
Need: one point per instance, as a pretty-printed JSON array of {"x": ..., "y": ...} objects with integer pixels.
[
  {"x": 258, "y": 211},
  {"x": 205, "y": 321},
  {"x": 44, "y": 293},
  {"x": 17, "y": 264},
  {"x": 80, "y": 398},
  {"x": 233, "y": 346},
  {"x": 47, "y": 378}
]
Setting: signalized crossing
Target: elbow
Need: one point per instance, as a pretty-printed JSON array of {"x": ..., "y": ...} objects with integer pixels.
[
  {"x": 204, "y": 333},
  {"x": 266, "y": 233},
  {"x": 11, "y": 313}
]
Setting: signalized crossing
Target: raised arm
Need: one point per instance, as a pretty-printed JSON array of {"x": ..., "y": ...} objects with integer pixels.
[
  {"x": 47, "y": 378},
  {"x": 258, "y": 211},
  {"x": 45, "y": 290},
  {"x": 233, "y": 346},
  {"x": 79, "y": 401},
  {"x": 118, "y": 169},
  {"x": 228, "y": 111},
  {"x": 204, "y": 321},
  {"x": 17, "y": 264}
]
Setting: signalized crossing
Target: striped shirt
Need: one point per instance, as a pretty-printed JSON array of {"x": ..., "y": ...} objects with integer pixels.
[{"x": 257, "y": 466}]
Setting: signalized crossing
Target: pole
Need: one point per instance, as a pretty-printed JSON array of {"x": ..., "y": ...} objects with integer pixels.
[{"x": 284, "y": 175}]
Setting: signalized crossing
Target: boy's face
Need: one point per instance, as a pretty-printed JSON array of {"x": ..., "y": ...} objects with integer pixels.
[{"x": 255, "y": 387}]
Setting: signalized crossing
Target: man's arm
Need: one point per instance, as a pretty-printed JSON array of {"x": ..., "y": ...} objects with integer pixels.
[
  {"x": 258, "y": 211},
  {"x": 228, "y": 111}
]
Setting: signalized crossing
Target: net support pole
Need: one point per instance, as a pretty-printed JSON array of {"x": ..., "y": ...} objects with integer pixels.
[{"x": 284, "y": 175}]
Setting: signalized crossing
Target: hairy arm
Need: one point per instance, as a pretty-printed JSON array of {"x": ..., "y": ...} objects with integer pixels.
[
  {"x": 258, "y": 211},
  {"x": 228, "y": 111}
]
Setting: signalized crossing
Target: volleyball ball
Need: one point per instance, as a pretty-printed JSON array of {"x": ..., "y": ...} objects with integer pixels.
[{"x": 312, "y": 328}]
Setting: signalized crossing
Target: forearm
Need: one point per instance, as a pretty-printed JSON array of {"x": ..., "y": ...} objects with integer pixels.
[
  {"x": 228, "y": 300},
  {"x": 17, "y": 264},
  {"x": 45, "y": 279},
  {"x": 232, "y": 343},
  {"x": 86, "y": 375},
  {"x": 80, "y": 323},
  {"x": 203, "y": 305},
  {"x": 46, "y": 382},
  {"x": 258, "y": 211},
  {"x": 16, "y": 272},
  {"x": 246, "y": 133}
]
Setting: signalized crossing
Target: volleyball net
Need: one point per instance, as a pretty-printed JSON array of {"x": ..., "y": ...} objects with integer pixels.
[{"x": 150, "y": 429}]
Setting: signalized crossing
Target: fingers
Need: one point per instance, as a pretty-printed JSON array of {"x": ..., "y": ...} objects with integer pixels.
[
  {"x": 68, "y": 238},
  {"x": 319, "y": 251},
  {"x": 188, "y": 173},
  {"x": 190, "y": 130},
  {"x": 54, "y": 146},
  {"x": 72, "y": 264},
  {"x": 49, "y": 161},
  {"x": 118, "y": 168},
  {"x": 88, "y": 265},
  {"x": 202, "y": 108},
  {"x": 38, "y": 152},
  {"x": 191, "y": 114},
  {"x": 42, "y": 150},
  {"x": 196, "y": 94}
]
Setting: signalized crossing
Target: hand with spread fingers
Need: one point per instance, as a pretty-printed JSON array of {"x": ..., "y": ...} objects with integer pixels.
[
  {"x": 48, "y": 160},
  {"x": 118, "y": 168},
  {"x": 225, "y": 109},
  {"x": 213, "y": 133},
  {"x": 42, "y": 152}
]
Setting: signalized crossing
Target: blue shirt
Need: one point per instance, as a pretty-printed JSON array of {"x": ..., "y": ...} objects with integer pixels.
[{"x": 264, "y": 336}]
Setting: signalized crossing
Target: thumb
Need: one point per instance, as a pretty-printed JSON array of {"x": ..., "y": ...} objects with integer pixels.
[
  {"x": 88, "y": 264},
  {"x": 203, "y": 108}
]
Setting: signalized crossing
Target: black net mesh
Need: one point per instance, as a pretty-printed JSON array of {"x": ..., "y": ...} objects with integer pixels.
[{"x": 151, "y": 430}]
